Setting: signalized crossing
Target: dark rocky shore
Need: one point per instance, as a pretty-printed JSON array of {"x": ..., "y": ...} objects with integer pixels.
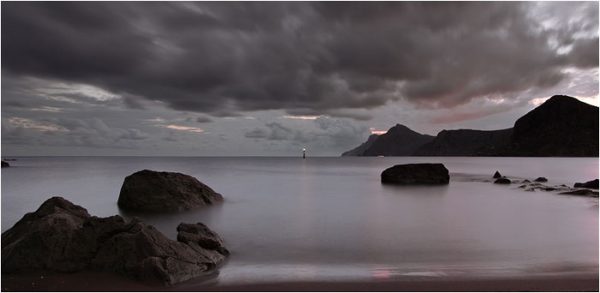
[
  {"x": 589, "y": 188},
  {"x": 63, "y": 237},
  {"x": 436, "y": 174}
]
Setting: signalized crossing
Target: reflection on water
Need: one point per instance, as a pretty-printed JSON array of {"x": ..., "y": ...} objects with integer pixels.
[{"x": 331, "y": 218}]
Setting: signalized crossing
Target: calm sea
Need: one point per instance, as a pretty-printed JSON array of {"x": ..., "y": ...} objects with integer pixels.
[{"x": 290, "y": 219}]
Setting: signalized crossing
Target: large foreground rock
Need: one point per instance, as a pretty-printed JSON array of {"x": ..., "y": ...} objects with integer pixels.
[
  {"x": 63, "y": 237},
  {"x": 416, "y": 174},
  {"x": 154, "y": 191}
]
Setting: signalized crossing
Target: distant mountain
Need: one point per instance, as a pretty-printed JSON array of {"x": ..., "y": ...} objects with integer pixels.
[
  {"x": 562, "y": 126},
  {"x": 397, "y": 141},
  {"x": 360, "y": 150},
  {"x": 466, "y": 142}
]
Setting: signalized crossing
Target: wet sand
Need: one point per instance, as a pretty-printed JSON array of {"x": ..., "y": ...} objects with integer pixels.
[{"x": 109, "y": 282}]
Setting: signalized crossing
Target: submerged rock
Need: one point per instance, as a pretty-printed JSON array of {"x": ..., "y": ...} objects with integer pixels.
[
  {"x": 584, "y": 192},
  {"x": 497, "y": 175},
  {"x": 416, "y": 174},
  {"x": 153, "y": 191},
  {"x": 5, "y": 164},
  {"x": 541, "y": 179},
  {"x": 63, "y": 237},
  {"x": 590, "y": 184},
  {"x": 502, "y": 181}
]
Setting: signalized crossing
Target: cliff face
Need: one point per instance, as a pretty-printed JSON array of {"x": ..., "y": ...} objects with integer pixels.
[
  {"x": 562, "y": 126},
  {"x": 398, "y": 141}
]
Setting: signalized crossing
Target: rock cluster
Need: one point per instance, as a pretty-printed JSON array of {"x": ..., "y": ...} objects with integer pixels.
[
  {"x": 427, "y": 174},
  {"x": 527, "y": 185},
  {"x": 63, "y": 237},
  {"x": 152, "y": 191}
]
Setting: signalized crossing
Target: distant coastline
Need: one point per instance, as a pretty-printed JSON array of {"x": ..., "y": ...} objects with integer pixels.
[{"x": 561, "y": 127}]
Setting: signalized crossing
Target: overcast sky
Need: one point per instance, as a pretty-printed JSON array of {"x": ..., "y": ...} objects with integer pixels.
[{"x": 269, "y": 78}]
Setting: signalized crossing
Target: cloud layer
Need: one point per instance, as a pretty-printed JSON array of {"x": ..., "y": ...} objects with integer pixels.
[{"x": 307, "y": 58}]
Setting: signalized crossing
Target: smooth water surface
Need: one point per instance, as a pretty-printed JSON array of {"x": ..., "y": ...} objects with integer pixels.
[{"x": 290, "y": 219}]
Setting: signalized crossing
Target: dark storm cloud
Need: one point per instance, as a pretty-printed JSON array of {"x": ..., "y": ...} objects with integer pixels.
[{"x": 223, "y": 58}]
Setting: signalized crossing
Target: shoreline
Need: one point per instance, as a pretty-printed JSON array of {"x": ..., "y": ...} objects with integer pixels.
[{"x": 94, "y": 281}]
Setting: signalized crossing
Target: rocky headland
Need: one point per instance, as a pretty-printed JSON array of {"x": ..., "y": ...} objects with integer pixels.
[{"x": 562, "y": 126}]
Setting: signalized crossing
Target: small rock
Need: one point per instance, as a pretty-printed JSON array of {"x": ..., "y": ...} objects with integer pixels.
[
  {"x": 502, "y": 181},
  {"x": 525, "y": 181},
  {"x": 541, "y": 179},
  {"x": 5, "y": 164},
  {"x": 590, "y": 184},
  {"x": 497, "y": 175},
  {"x": 428, "y": 174}
]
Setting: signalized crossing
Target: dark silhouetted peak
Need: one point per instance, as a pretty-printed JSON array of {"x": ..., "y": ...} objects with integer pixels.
[
  {"x": 558, "y": 105},
  {"x": 399, "y": 128},
  {"x": 397, "y": 141},
  {"x": 561, "y": 126},
  {"x": 562, "y": 99}
]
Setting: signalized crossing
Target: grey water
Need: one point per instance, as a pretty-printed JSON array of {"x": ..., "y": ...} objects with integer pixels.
[{"x": 289, "y": 219}]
